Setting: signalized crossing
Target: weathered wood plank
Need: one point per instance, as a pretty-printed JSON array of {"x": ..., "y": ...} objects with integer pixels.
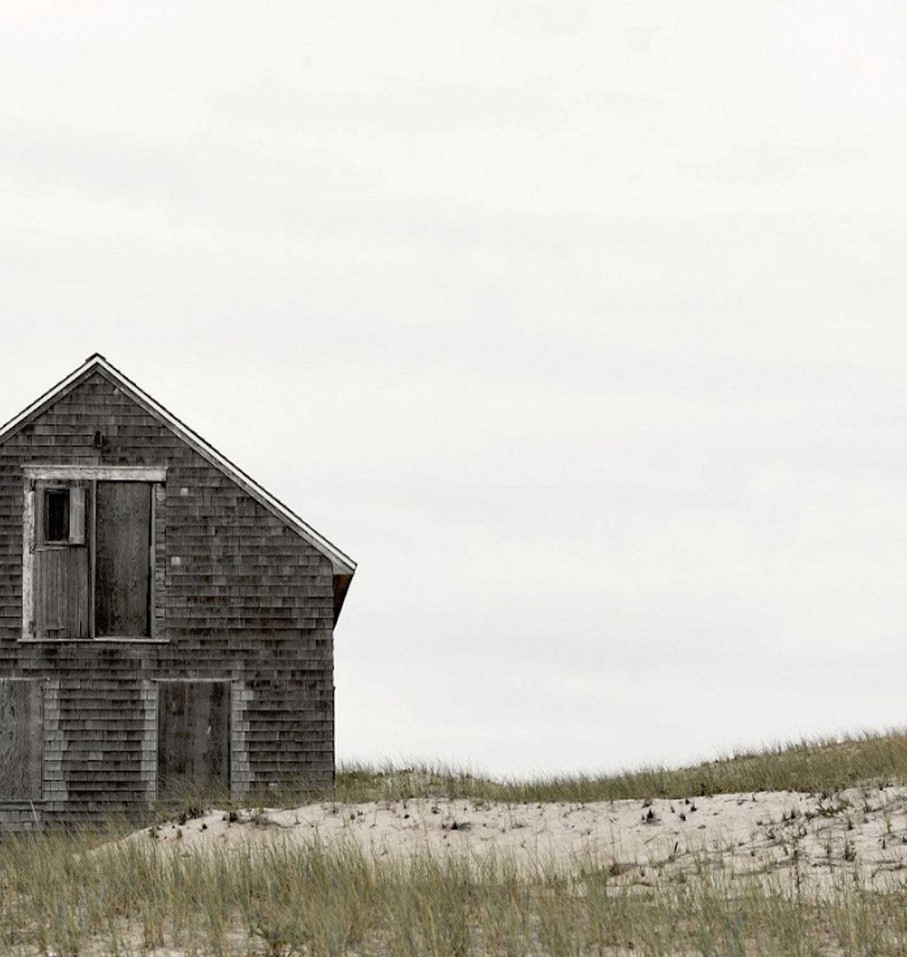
[
  {"x": 77, "y": 515},
  {"x": 28, "y": 547},
  {"x": 172, "y": 733},
  {"x": 21, "y": 740},
  {"x": 99, "y": 473}
]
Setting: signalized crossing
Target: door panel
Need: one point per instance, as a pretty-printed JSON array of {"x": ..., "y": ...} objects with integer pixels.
[
  {"x": 193, "y": 735},
  {"x": 61, "y": 592},
  {"x": 122, "y": 564},
  {"x": 61, "y": 589},
  {"x": 21, "y": 740}
]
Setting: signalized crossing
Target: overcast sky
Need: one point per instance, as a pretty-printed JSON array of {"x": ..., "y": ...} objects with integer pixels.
[{"x": 580, "y": 325}]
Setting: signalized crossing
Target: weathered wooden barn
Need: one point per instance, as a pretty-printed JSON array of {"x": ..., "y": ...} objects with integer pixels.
[{"x": 164, "y": 621}]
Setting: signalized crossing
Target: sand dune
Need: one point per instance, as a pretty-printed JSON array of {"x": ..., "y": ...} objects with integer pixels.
[{"x": 808, "y": 840}]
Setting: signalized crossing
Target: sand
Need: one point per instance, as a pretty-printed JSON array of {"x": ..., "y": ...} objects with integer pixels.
[{"x": 794, "y": 839}]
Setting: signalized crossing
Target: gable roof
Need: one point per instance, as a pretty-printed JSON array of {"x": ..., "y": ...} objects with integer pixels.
[{"x": 342, "y": 564}]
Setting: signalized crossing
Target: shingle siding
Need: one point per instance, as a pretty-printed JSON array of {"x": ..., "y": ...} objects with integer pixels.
[{"x": 239, "y": 596}]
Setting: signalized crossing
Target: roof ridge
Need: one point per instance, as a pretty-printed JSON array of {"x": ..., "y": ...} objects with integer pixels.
[{"x": 96, "y": 362}]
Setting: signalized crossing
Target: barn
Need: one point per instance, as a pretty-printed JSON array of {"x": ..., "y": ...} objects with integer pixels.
[{"x": 165, "y": 622}]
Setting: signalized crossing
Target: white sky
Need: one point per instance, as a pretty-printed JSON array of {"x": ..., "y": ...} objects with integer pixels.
[{"x": 579, "y": 325}]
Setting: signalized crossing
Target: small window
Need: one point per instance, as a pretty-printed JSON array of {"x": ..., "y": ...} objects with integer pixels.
[
  {"x": 56, "y": 515},
  {"x": 62, "y": 516}
]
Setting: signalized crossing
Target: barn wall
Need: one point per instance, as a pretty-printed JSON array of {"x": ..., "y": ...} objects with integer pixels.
[{"x": 239, "y": 597}]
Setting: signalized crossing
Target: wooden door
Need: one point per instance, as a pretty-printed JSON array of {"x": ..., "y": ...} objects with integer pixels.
[
  {"x": 21, "y": 740},
  {"x": 193, "y": 736},
  {"x": 123, "y": 559},
  {"x": 61, "y": 567}
]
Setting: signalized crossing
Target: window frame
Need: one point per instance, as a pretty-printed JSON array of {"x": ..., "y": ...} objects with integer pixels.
[{"x": 40, "y": 478}]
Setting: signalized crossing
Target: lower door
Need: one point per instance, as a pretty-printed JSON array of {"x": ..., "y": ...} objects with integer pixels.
[
  {"x": 193, "y": 751},
  {"x": 21, "y": 739}
]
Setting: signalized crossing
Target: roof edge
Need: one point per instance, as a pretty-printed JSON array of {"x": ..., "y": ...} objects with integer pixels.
[
  {"x": 11, "y": 426},
  {"x": 341, "y": 562}
]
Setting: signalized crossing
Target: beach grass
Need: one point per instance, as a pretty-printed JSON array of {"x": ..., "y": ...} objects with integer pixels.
[
  {"x": 62, "y": 895},
  {"x": 811, "y": 766},
  {"x": 100, "y": 891}
]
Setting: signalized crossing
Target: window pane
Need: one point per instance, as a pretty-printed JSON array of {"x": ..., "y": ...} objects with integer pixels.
[{"x": 56, "y": 515}]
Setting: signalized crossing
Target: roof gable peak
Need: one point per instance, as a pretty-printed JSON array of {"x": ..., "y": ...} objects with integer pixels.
[{"x": 342, "y": 563}]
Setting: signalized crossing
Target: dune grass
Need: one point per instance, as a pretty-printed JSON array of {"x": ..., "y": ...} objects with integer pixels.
[
  {"x": 63, "y": 896},
  {"x": 82, "y": 893},
  {"x": 818, "y": 765},
  {"x": 60, "y": 895},
  {"x": 813, "y": 766}
]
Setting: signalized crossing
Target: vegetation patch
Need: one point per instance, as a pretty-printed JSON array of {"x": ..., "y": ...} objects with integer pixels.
[{"x": 240, "y": 881}]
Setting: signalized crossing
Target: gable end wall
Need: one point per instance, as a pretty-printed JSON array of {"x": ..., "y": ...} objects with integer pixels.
[{"x": 240, "y": 597}]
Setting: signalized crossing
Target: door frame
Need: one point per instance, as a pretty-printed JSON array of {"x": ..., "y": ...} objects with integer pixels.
[
  {"x": 156, "y": 476},
  {"x": 231, "y": 687}
]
